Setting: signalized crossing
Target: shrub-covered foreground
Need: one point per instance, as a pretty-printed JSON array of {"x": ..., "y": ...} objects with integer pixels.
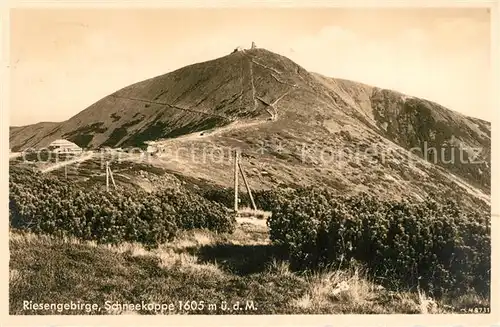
[
  {"x": 441, "y": 247},
  {"x": 48, "y": 205},
  {"x": 438, "y": 247}
]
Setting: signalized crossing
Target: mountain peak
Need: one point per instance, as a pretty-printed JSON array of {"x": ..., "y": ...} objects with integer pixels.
[{"x": 260, "y": 95}]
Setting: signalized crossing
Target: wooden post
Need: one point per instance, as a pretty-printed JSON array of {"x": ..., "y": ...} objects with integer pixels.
[
  {"x": 66, "y": 171},
  {"x": 107, "y": 176},
  {"x": 112, "y": 178},
  {"x": 236, "y": 159},
  {"x": 247, "y": 187}
]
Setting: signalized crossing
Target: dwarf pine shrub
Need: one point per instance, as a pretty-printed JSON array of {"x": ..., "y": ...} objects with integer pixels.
[
  {"x": 438, "y": 246},
  {"x": 43, "y": 204}
]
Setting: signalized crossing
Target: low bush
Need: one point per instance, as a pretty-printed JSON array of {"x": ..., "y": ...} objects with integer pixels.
[
  {"x": 194, "y": 211},
  {"x": 44, "y": 204},
  {"x": 264, "y": 199},
  {"x": 439, "y": 247},
  {"x": 223, "y": 196}
]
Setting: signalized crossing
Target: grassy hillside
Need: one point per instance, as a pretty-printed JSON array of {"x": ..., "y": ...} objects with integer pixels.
[{"x": 199, "y": 266}]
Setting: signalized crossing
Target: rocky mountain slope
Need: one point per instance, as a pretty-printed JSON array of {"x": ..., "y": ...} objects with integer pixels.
[{"x": 292, "y": 126}]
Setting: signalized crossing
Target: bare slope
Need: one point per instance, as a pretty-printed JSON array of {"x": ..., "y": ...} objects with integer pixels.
[
  {"x": 293, "y": 127},
  {"x": 195, "y": 97},
  {"x": 22, "y": 137},
  {"x": 425, "y": 128}
]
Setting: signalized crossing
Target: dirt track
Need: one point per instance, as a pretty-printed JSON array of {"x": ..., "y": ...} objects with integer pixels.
[{"x": 69, "y": 162}]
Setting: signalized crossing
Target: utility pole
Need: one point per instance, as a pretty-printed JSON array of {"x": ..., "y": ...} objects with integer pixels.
[
  {"x": 112, "y": 178},
  {"x": 236, "y": 159},
  {"x": 238, "y": 169},
  {"x": 247, "y": 187},
  {"x": 107, "y": 176}
]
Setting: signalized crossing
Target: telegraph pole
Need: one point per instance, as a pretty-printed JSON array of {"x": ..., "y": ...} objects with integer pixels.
[
  {"x": 247, "y": 187},
  {"x": 236, "y": 159},
  {"x": 238, "y": 169},
  {"x": 107, "y": 176},
  {"x": 112, "y": 178}
]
